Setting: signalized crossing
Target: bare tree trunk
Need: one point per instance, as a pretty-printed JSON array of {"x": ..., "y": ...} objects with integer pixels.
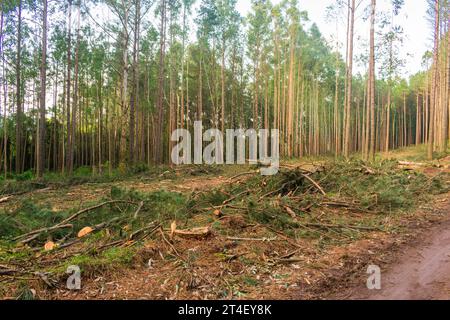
[
  {"x": 433, "y": 100},
  {"x": 41, "y": 138},
  {"x": 75, "y": 99},
  {"x": 337, "y": 122},
  {"x": 19, "y": 112},
  {"x": 349, "y": 92},
  {"x": 446, "y": 107},
  {"x": 69, "y": 151},
  {"x": 135, "y": 93},
  {"x": 183, "y": 62},
  {"x": 388, "y": 121},
  {"x": 291, "y": 92},
  {"x": 222, "y": 76},
  {"x": 372, "y": 82},
  {"x": 200, "y": 89},
  {"x": 159, "y": 124},
  {"x": 124, "y": 90},
  {"x": 5, "y": 94}
]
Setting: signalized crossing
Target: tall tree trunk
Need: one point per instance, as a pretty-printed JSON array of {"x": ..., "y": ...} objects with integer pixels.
[
  {"x": 5, "y": 94},
  {"x": 124, "y": 90},
  {"x": 75, "y": 97},
  {"x": 291, "y": 93},
  {"x": 69, "y": 149},
  {"x": 41, "y": 138},
  {"x": 19, "y": 112},
  {"x": 200, "y": 88},
  {"x": 372, "y": 82},
  {"x": 349, "y": 93},
  {"x": 433, "y": 98},
  {"x": 135, "y": 93},
  {"x": 337, "y": 121},
  {"x": 446, "y": 107},
  {"x": 1, "y": 75},
  {"x": 183, "y": 62},
  {"x": 159, "y": 124},
  {"x": 222, "y": 77},
  {"x": 388, "y": 120}
]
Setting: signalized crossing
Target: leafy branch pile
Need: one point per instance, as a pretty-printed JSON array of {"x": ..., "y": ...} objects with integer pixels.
[
  {"x": 332, "y": 202},
  {"x": 282, "y": 200}
]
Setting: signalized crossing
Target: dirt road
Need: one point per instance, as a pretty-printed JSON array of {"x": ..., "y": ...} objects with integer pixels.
[{"x": 421, "y": 271}]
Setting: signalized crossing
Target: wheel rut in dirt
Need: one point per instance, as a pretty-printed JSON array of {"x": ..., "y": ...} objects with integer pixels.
[{"x": 421, "y": 271}]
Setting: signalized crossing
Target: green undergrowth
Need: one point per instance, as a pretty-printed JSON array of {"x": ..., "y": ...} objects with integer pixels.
[
  {"x": 92, "y": 263},
  {"x": 27, "y": 182},
  {"x": 120, "y": 223},
  {"x": 157, "y": 206},
  {"x": 380, "y": 186},
  {"x": 414, "y": 154},
  {"x": 370, "y": 190},
  {"x": 358, "y": 197}
]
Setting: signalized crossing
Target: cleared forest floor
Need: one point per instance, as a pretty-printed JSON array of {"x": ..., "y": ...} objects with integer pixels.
[{"x": 219, "y": 232}]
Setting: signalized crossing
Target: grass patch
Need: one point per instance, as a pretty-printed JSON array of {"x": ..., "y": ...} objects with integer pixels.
[{"x": 90, "y": 264}]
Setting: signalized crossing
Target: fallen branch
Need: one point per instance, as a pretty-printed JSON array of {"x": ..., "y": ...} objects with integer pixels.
[
  {"x": 34, "y": 234},
  {"x": 254, "y": 239},
  {"x": 243, "y": 174},
  {"x": 282, "y": 235},
  {"x": 10, "y": 196},
  {"x": 44, "y": 276},
  {"x": 64, "y": 224},
  {"x": 5, "y": 270},
  {"x": 5, "y": 199},
  {"x": 76, "y": 215},
  {"x": 314, "y": 183},
  {"x": 290, "y": 212},
  {"x": 414, "y": 164},
  {"x": 338, "y": 226},
  {"x": 168, "y": 242},
  {"x": 235, "y": 197},
  {"x": 152, "y": 226},
  {"x": 141, "y": 204},
  {"x": 194, "y": 233}
]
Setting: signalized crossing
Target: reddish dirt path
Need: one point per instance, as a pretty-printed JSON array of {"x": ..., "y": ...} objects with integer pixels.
[{"x": 421, "y": 271}]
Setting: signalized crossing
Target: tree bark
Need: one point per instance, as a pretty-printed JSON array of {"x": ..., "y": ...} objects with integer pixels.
[
  {"x": 433, "y": 98},
  {"x": 159, "y": 143},
  {"x": 372, "y": 82},
  {"x": 19, "y": 112},
  {"x": 41, "y": 139},
  {"x": 349, "y": 93}
]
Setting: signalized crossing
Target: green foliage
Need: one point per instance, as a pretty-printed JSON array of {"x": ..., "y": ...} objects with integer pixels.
[
  {"x": 382, "y": 187},
  {"x": 114, "y": 258},
  {"x": 27, "y": 217},
  {"x": 24, "y": 292},
  {"x": 26, "y": 176}
]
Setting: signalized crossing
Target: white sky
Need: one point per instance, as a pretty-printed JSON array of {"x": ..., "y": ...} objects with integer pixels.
[{"x": 412, "y": 19}]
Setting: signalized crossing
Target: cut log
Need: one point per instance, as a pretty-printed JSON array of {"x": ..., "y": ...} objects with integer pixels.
[{"x": 194, "y": 233}]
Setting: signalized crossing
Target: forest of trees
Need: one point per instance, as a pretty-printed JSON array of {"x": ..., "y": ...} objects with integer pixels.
[{"x": 103, "y": 83}]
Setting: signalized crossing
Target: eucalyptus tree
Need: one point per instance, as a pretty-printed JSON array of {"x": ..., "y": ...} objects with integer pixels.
[
  {"x": 371, "y": 95},
  {"x": 19, "y": 111},
  {"x": 391, "y": 63},
  {"x": 41, "y": 147},
  {"x": 228, "y": 25},
  {"x": 184, "y": 112},
  {"x": 435, "y": 7},
  {"x": 258, "y": 36},
  {"x": 349, "y": 81}
]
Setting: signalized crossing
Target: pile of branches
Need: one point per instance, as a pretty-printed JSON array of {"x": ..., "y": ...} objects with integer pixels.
[
  {"x": 36, "y": 238},
  {"x": 349, "y": 186}
]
